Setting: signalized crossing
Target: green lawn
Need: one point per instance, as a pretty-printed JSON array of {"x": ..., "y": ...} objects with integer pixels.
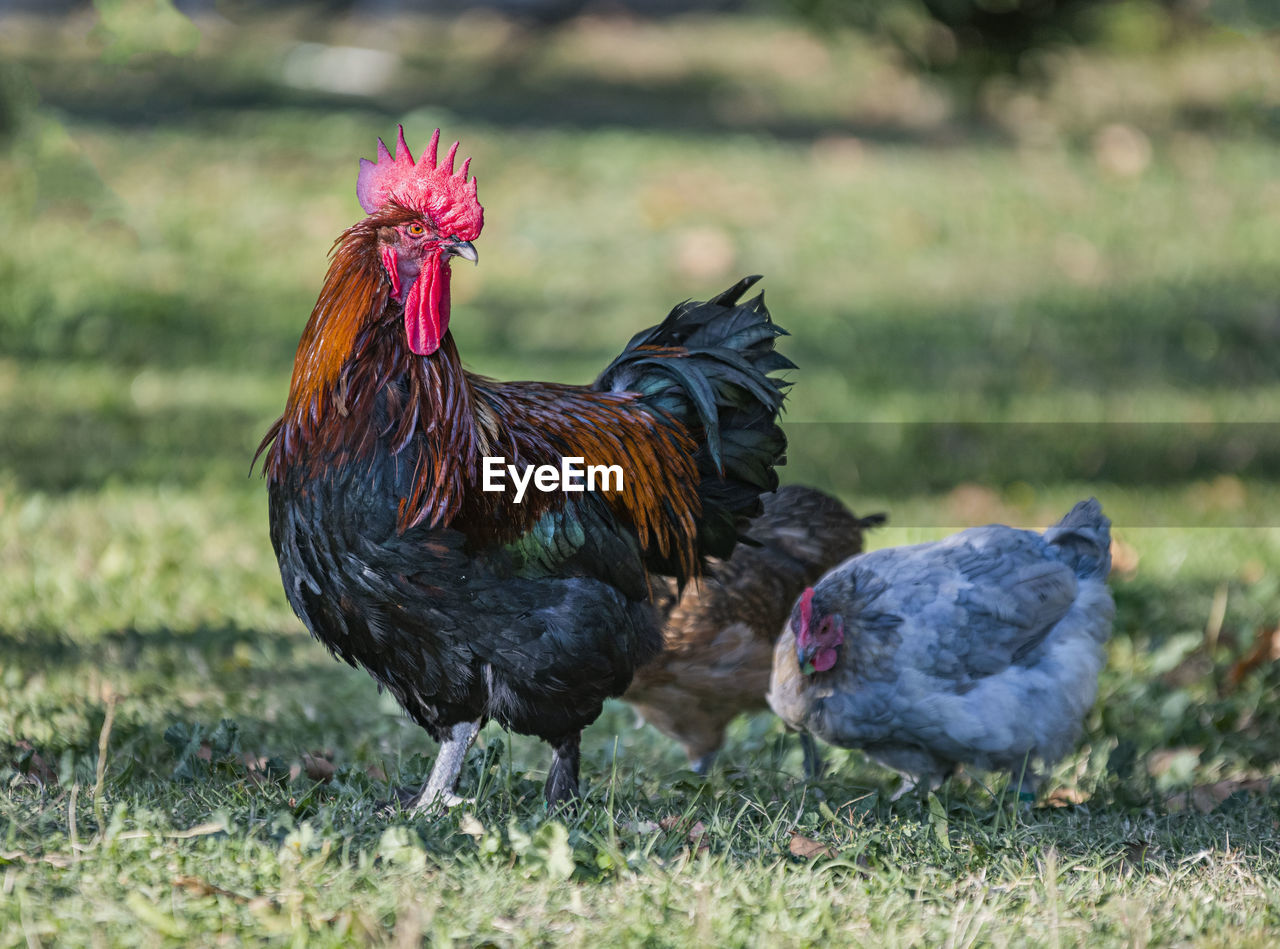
[{"x": 993, "y": 317}]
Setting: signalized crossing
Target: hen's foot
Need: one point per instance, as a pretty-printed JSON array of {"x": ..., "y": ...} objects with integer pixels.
[
  {"x": 922, "y": 786},
  {"x": 1027, "y": 784},
  {"x": 906, "y": 787}
]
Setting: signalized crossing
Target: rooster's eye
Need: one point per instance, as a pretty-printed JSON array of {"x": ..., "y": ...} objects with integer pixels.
[{"x": 416, "y": 230}]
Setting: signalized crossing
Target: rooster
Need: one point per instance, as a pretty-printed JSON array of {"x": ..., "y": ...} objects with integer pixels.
[
  {"x": 718, "y": 636},
  {"x": 983, "y": 648},
  {"x": 466, "y": 605}
]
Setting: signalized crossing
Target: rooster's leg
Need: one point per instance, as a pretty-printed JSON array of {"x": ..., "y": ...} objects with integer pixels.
[
  {"x": 438, "y": 791},
  {"x": 562, "y": 779}
]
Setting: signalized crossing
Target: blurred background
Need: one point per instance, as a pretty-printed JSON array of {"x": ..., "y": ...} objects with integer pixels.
[{"x": 1026, "y": 250}]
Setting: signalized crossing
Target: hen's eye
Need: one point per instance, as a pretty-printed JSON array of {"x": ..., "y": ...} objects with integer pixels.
[{"x": 416, "y": 230}]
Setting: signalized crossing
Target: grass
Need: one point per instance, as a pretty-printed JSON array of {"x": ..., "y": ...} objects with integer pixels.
[{"x": 992, "y": 320}]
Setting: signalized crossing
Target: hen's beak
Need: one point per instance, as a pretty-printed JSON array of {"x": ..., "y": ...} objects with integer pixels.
[
  {"x": 804, "y": 657},
  {"x": 464, "y": 249}
]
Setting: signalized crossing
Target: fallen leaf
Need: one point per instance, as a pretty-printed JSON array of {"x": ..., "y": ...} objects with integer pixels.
[
  {"x": 1134, "y": 853},
  {"x": 1194, "y": 668},
  {"x": 697, "y": 834},
  {"x": 261, "y": 770},
  {"x": 1080, "y": 260},
  {"x": 845, "y": 155},
  {"x": 807, "y": 848},
  {"x": 33, "y": 765},
  {"x": 971, "y": 503},
  {"x": 1124, "y": 559},
  {"x": 375, "y": 772},
  {"x": 1208, "y": 797},
  {"x": 1224, "y": 493},
  {"x": 1066, "y": 797},
  {"x": 318, "y": 768},
  {"x": 1122, "y": 150},
  {"x": 699, "y": 837},
  {"x": 704, "y": 253},
  {"x": 198, "y": 887},
  {"x": 1164, "y": 759},
  {"x": 256, "y": 767},
  {"x": 1266, "y": 648}
]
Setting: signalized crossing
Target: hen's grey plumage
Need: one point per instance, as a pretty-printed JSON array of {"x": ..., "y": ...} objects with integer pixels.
[{"x": 983, "y": 648}]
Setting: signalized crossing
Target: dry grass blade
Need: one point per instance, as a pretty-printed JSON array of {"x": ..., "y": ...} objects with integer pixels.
[
  {"x": 1217, "y": 613},
  {"x": 104, "y": 738},
  {"x": 72, "y": 831}
]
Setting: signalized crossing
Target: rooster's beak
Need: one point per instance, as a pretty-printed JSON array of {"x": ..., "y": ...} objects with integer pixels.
[{"x": 464, "y": 249}]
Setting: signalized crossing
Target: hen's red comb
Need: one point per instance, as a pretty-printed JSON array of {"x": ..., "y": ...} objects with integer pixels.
[
  {"x": 806, "y": 612},
  {"x": 429, "y": 186}
]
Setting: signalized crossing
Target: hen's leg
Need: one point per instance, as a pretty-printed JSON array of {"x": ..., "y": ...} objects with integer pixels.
[
  {"x": 906, "y": 787},
  {"x": 438, "y": 791},
  {"x": 1027, "y": 783},
  {"x": 923, "y": 785},
  {"x": 812, "y": 758},
  {"x": 702, "y": 766},
  {"x": 562, "y": 779}
]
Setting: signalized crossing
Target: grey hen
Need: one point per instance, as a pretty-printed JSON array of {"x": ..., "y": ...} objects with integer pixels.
[{"x": 983, "y": 648}]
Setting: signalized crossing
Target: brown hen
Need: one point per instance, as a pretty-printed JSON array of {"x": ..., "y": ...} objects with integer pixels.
[{"x": 718, "y": 637}]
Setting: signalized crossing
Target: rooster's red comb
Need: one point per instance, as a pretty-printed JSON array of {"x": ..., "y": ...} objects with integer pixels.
[{"x": 429, "y": 186}]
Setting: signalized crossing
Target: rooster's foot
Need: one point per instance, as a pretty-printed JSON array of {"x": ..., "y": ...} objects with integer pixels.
[
  {"x": 436, "y": 796},
  {"x": 423, "y": 806}
]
